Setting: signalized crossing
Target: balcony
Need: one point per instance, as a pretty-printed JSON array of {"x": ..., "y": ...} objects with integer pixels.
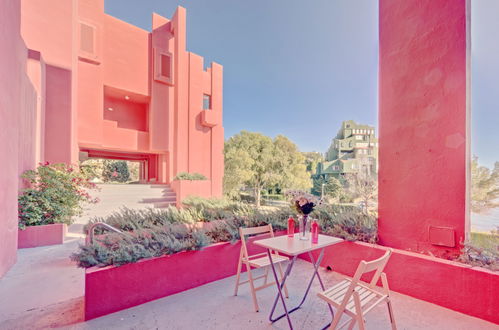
[{"x": 58, "y": 302}]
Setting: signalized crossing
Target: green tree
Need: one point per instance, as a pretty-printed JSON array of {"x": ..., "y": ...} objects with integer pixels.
[
  {"x": 312, "y": 158},
  {"x": 116, "y": 170},
  {"x": 249, "y": 161},
  {"x": 484, "y": 187},
  {"x": 256, "y": 161},
  {"x": 333, "y": 188},
  {"x": 290, "y": 165}
]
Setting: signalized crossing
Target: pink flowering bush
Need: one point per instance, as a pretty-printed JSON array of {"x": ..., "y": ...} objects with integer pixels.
[{"x": 55, "y": 193}]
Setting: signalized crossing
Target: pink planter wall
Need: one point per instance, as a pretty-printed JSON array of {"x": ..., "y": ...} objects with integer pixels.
[
  {"x": 35, "y": 236},
  {"x": 112, "y": 289},
  {"x": 186, "y": 188},
  {"x": 469, "y": 290},
  {"x": 459, "y": 287}
]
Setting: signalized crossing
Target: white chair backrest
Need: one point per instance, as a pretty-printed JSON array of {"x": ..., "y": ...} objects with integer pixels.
[
  {"x": 253, "y": 231},
  {"x": 256, "y": 230},
  {"x": 366, "y": 267}
]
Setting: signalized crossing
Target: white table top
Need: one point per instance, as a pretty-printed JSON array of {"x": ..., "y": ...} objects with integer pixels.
[{"x": 293, "y": 246}]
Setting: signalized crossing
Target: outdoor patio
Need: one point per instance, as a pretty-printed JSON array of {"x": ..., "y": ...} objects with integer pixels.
[{"x": 58, "y": 303}]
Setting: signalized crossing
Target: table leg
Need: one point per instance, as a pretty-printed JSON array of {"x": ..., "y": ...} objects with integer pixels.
[
  {"x": 279, "y": 286},
  {"x": 279, "y": 289},
  {"x": 316, "y": 266}
]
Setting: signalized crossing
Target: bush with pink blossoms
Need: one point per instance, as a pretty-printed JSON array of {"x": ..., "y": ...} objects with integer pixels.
[{"x": 55, "y": 193}]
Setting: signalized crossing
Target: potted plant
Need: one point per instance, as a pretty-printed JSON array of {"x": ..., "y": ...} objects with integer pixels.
[{"x": 303, "y": 203}]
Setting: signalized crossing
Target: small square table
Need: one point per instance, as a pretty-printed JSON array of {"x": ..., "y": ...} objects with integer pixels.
[{"x": 294, "y": 246}]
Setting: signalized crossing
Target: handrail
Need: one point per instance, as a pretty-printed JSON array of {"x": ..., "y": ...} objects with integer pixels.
[{"x": 91, "y": 233}]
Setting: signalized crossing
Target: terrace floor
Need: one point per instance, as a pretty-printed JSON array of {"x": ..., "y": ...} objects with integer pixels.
[{"x": 45, "y": 290}]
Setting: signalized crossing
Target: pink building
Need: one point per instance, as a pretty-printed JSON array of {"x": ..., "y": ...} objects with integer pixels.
[
  {"x": 86, "y": 84},
  {"x": 112, "y": 90}
]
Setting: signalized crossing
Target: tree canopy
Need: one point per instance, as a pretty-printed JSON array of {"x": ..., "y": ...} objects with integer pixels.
[
  {"x": 484, "y": 187},
  {"x": 256, "y": 161},
  {"x": 312, "y": 158},
  {"x": 333, "y": 188}
]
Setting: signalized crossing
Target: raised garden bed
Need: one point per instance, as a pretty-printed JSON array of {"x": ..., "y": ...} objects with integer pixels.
[
  {"x": 111, "y": 289},
  {"x": 470, "y": 290},
  {"x": 34, "y": 236}
]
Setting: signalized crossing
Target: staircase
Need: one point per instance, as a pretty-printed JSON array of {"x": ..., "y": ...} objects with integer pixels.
[
  {"x": 133, "y": 196},
  {"x": 168, "y": 196}
]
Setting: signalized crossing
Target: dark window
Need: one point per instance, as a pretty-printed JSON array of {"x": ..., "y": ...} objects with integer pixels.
[{"x": 206, "y": 102}]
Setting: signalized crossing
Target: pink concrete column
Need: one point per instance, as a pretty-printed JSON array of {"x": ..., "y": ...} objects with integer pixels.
[
  {"x": 423, "y": 115},
  {"x": 217, "y": 146},
  {"x": 181, "y": 73}
]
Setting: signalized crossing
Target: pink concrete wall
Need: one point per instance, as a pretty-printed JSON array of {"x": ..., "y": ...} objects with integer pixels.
[
  {"x": 126, "y": 56},
  {"x": 35, "y": 236},
  {"x": 47, "y": 27},
  {"x": 130, "y": 115},
  {"x": 466, "y": 289},
  {"x": 199, "y": 135},
  {"x": 422, "y": 119},
  {"x": 186, "y": 188},
  {"x": 18, "y": 105},
  {"x": 161, "y": 110}
]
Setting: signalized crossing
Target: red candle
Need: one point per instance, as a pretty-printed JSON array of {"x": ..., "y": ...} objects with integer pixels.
[
  {"x": 291, "y": 227},
  {"x": 314, "y": 228}
]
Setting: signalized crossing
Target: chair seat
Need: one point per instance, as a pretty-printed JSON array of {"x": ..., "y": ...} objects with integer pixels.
[
  {"x": 336, "y": 294},
  {"x": 265, "y": 261}
]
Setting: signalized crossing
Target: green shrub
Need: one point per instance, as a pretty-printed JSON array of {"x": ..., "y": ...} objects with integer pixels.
[
  {"x": 189, "y": 176},
  {"x": 55, "y": 194},
  {"x": 118, "y": 249},
  {"x": 116, "y": 170},
  {"x": 154, "y": 232},
  {"x": 482, "y": 251},
  {"x": 352, "y": 226},
  {"x": 126, "y": 219}
]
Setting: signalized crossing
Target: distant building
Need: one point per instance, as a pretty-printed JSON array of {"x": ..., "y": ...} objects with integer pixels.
[{"x": 354, "y": 149}]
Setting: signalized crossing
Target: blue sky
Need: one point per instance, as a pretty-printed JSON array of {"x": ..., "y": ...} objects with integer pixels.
[{"x": 299, "y": 68}]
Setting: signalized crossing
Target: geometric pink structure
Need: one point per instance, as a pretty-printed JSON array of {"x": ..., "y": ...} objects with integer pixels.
[
  {"x": 423, "y": 119},
  {"x": 112, "y": 90},
  {"x": 77, "y": 83}
]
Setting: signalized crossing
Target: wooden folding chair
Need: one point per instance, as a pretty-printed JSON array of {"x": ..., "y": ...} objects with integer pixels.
[
  {"x": 356, "y": 298},
  {"x": 259, "y": 260}
]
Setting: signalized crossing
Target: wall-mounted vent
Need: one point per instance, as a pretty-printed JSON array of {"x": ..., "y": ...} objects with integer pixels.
[{"x": 87, "y": 38}]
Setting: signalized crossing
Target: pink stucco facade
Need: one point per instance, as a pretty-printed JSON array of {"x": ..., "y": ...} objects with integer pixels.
[
  {"x": 424, "y": 124},
  {"x": 114, "y": 90},
  {"x": 19, "y": 117},
  {"x": 77, "y": 83}
]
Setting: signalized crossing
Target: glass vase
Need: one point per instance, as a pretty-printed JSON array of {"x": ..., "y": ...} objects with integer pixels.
[{"x": 304, "y": 228}]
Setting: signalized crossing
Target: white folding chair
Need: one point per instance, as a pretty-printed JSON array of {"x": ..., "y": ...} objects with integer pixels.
[
  {"x": 356, "y": 298},
  {"x": 259, "y": 260}
]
